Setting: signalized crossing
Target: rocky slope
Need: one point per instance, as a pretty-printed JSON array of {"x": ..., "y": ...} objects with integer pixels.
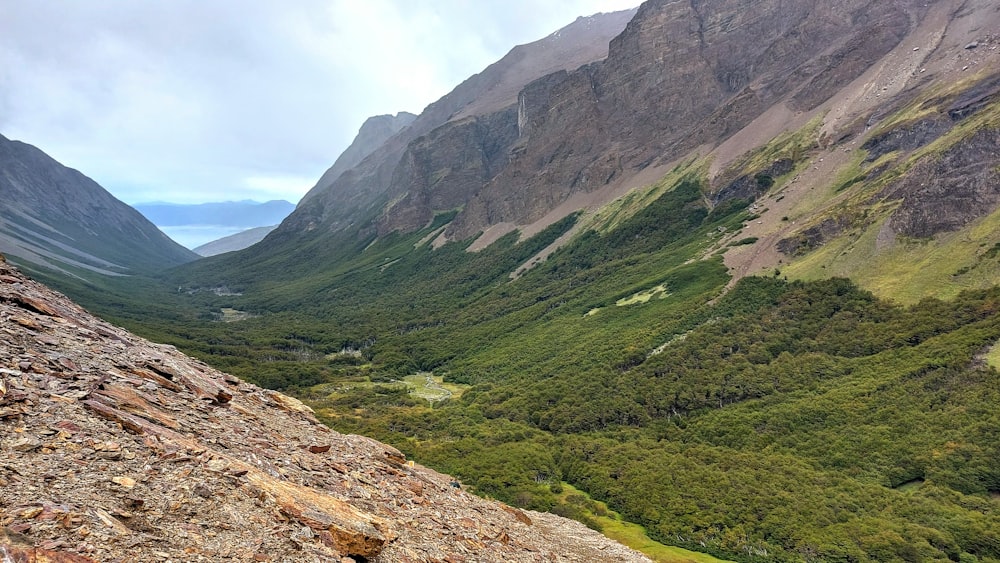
[
  {"x": 116, "y": 449},
  {"x": 56, "y": 217},
  {"x": 374, "y": 132}
]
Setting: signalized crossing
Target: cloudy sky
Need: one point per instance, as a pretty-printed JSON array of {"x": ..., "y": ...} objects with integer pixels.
[{"x": 191, "y": 101}]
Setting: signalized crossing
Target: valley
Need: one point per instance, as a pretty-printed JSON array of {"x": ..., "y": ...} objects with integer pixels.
[{"x": 728, "y": 291}]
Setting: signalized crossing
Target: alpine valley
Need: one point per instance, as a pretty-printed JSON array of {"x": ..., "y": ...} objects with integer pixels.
[{"x": 716, "y": 275}]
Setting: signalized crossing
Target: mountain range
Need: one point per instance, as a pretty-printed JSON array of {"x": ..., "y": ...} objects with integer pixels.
[
  {"x": 247, "y": 214},
  {"x": 729, "y": 268}
]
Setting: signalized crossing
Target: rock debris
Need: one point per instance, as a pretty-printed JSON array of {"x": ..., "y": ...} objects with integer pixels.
[{"x": 116, "y": 449}]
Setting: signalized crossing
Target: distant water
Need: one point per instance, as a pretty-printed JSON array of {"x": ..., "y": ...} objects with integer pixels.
[{"x": 193, "y": 236}]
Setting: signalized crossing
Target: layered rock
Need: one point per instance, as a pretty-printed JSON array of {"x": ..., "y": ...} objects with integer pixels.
[
  {"x": 113, "y": 448},
  {"x": 341, "y": 198}
]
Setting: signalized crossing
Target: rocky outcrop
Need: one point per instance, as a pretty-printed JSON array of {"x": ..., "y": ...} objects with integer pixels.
[
  {"x": 113, "y": 448},
  {"x": 751, "y": 186},
  {"x": 947, "y": 191},
  {"x": 56, "y": 217},
  {"x": 437, "y": 170}
]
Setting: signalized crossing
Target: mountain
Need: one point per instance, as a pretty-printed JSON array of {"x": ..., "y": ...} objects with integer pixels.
[
  {"x": 56, "y": 218},
  {"x": 374, "y": 132},
  {"x": 341, "y": 199},
  {"x": 238, "y": 241},
  {"x": 115, "y": 447},
  {"x": 680, "y": 78},
  {"x": 738, "y": 285},
  {"x": 226, "y": 214}
]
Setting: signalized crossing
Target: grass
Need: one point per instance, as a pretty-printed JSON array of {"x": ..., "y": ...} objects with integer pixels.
[
  {"x": 659, "y": 291},
  {"x": 908, "y": 270},
  {"x": 634, "y": 536},
  {"x": 230, "y": 315},
  {"x": 993, "y": 356},
  {"x": 432, "y": 387}
]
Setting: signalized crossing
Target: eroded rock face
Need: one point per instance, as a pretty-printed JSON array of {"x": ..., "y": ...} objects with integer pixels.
[
  {"x": 946, "y": 192},
  {"x": 114, "y": 448},
  {"x": 681, "y": 75},
  {"x": 341, "y": 197}
]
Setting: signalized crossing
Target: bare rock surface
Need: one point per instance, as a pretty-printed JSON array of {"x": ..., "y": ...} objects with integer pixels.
[{"x": 113, "y": 448}]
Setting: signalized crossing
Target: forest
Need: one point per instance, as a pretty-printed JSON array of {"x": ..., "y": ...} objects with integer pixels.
[{"x": 772, "y": 420}]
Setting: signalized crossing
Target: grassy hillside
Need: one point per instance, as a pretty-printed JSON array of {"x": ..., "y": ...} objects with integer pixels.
[{"x": 840, "y": 409}]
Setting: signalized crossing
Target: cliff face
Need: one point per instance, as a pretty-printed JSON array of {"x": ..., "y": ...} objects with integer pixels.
[
  {"x": 681, "y": 75},
  {"x": 54, "y": 216},
  {"x": 115, "y": 448},
  {"x": 374, "y": 132},
  {"x": 339, "y": 199}
]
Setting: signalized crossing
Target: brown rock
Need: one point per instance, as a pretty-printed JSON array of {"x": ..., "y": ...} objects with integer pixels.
[
  {"x": 518, "y": 515},
  {"x": 80, "y": 460},
  {"x": 25, "y": 444}
]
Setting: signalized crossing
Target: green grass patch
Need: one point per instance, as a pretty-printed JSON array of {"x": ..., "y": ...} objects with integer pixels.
[
  {"x": 908, "y": 270},
  {"x": 230, "y": 315},
  {"x": 433, "y": 388},
  {"x": 627, "y": 533},
  {"x": 744, "y": 241},
  {"x": 660, "y": 292}
]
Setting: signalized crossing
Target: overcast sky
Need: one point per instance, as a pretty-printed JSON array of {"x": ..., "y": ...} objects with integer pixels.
[{"x": 192, "y": 101}]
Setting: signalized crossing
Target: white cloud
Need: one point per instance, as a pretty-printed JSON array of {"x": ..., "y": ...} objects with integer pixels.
[{"x": 188, "y": 101}]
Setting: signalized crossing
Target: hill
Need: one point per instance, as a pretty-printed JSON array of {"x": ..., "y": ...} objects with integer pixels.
[
  {"x": 56, "y": 218},
  {"x": 114, "y": 447},
  {"x": 238, "y": 241}
]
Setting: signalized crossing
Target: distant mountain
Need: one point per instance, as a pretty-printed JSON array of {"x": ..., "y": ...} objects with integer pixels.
[
  {"x": 55, "y": 217},
  {"x": 238, "y": 241},
  {"x": 224, "y": 214}
]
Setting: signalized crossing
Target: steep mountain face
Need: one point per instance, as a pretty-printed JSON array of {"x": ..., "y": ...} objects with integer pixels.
[
  {"x": 116, "y": 448},
  {"x": 56, "y": 217},
  {"x": 373, "y": 133},
  {"x": 681, "y": 76},
  {"x": 341, "y": 199}
]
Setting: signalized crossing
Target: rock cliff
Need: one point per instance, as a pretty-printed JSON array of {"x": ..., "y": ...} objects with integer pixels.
[
  {"x": 682, "y": 75},
  {"x": 342, "y": 198},
  {"x": 116, "y": 449}
]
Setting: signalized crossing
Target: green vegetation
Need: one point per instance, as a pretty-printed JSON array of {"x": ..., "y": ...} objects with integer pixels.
[
  {"x": 579, "y": 506},
  {"x": 778, "y": 421}
]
